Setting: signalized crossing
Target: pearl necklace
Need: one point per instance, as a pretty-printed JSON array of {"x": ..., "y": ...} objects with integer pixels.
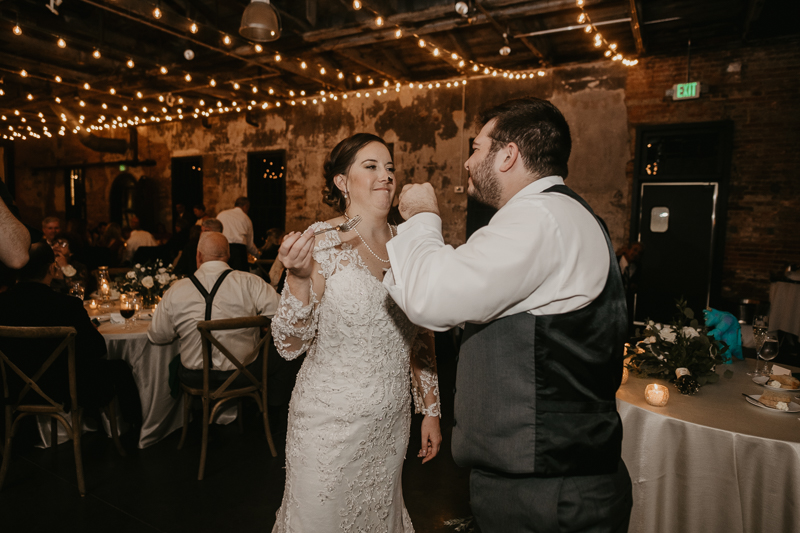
[{"x": 367, "y": 245}]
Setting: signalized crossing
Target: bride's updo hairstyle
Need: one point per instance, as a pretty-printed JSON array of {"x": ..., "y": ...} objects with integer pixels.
[{"x": 339, "y": 161}]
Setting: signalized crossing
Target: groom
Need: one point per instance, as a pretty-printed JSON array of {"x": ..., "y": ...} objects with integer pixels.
[{"x": 541, "y": 354}]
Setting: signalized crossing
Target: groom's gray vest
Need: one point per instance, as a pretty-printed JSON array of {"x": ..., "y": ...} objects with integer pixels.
[{"x": 536, "y": 394}]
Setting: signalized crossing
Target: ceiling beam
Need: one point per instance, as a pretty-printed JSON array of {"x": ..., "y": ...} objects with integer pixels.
[
  {"x": 636, "y": 28},
  {"x": 372, "y": 64}
]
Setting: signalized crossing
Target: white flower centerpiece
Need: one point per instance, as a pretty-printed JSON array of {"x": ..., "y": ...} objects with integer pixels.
[
  {"x": 683, "y": 346},
  {"x": 150, "y": 280}
]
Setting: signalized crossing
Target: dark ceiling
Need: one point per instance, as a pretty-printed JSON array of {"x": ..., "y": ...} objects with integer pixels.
[{"x": 327, "y": 50}]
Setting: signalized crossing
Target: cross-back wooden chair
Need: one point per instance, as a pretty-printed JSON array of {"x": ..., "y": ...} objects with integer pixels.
[
  {"x": 41, "y": 403},
  {"x": 257, "y": 389}
]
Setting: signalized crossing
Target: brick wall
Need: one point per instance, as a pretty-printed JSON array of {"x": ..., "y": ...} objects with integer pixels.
[{"x": 756, "y": 87}]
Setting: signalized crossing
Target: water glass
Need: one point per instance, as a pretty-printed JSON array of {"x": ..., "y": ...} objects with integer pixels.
[{"x": 760, "y": 327}]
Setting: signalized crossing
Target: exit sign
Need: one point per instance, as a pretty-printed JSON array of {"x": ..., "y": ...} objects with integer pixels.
[{"x": 686, "y": 91}]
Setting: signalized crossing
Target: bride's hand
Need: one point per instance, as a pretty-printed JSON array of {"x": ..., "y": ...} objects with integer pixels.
[
  {"x": 296, "y": 253},
  {"x": 431, "y": 438}
]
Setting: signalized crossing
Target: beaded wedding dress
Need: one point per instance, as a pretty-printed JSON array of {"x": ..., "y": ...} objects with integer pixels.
[{"x": 349, "y": 415}]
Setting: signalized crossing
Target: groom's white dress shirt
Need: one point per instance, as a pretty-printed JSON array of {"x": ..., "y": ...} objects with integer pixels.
[{"x": 541, "y": 253}]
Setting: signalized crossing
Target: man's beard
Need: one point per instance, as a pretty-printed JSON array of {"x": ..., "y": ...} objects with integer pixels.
[{"x": 485, "y": 187}]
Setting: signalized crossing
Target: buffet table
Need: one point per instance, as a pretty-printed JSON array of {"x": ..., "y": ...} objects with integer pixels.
[{"x": 710, "y": 462}]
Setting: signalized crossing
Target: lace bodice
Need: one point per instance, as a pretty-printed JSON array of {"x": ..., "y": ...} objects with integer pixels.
[{"x": 355, "y": 330}]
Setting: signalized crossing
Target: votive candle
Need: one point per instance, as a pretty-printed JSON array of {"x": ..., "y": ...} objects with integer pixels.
[
  {"x": 656, "y": 395},
  {"x": 92, "y": 304}
]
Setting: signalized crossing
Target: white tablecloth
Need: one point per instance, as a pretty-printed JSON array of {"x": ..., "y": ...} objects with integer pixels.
[
  {"x": 710, "y": 462},
  {"x": 161, "y": 413},
  {"x": 784, "y": 308}
]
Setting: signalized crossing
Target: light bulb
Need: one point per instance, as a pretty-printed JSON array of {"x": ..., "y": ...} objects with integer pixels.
[
  {"x": 303, "y": 65},
  {"x": 582, "y": 18},
  {"x": 504, "y": 51},
  {"x": 341, "y": 75},
  {"x": 322, "y": 71},
  {"x": 370, "y": 81},
  {"x": 213, "y": 82},
  {"x": 436, "y": 52},
  {"x": 258, "y": 48},
  {"x": 226, "y": 40},
  {"x": 58, "y": 79},
  {"x": 139, "y": 94},
  {"x": 104, "y": 106},
  {"x": 130, "y": 63},
  {"x": 96, "y": 54},
  {"x": 58, "y": 100},
  {"x": 86, "y": 86},
  {"x": 188, "y": 77},
  {"x": 356, "y": 5},
  {"x": 61, "y": 43},
  {"x": 112, "y": 90},
  {"x": 202, "y": 102},
  {"x": 17, "y": 30},
  {"x": 613, "y": 46},
  {"x": 475, "y": 68},
  {"x": 588, "y": 29},
  {"x": 421, "y": 43},
  {"x": 124, "y": 108},
  {"x": 379, "y": 21},
  {"x": 157, "y": 12},
  {"x": 193, "y": 28},
  {"x": 255, "y": 89},
  {"x": 398, "y": 33},
  {"x": 236, "y": 86},
  {"x": 82, "y": 103},
  {"x": 160, "y": 97},
  {"x": 453, "y": 56},
  {"x": 358, "y": 79},
  {"x": 277, "y": 58},
  {"x": 30, "y": 96}
]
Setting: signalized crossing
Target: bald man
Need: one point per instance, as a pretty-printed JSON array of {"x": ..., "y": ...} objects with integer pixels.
[{"x": 213, "y": 292}]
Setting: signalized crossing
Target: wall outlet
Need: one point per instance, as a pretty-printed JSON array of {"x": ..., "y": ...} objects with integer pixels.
[{"x": 459, "y": 189}]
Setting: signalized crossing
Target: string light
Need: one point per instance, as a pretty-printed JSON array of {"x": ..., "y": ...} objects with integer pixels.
[
  {"x": 86, "y": 86},
  {"x": 340, "y": 75},
  {"x": 96, "y": 54},
  {"x": 421, "y": 43},
  {"x": 193, "y": 28},
  {"x": 227, "y": 40},
  {"x": 236, "y": 86},
  {"x": 258, "y": 48},
  {"x": 163, "y": 70},
  {"x": 130, "y": 63},
  {"x": 139, "y": 94},
  {"x": 378, "y": 22},
  {"x": 157, "y": 12},
  {"x": 212, "y": 82},
  {"x": 356, "y": 5},
  {"x": 188, "y": 77},
  {"x": 112, "y": 90},
  {"x": 322, "y": 71},
  {"x": 17, "y": 30},
  {"x": 277, "y": 58},
  {"x": 303, "y": 65},
  {"x": 398, "y": 33},
  {"x": 58, "y": 79},
  {"x": 30, "y": 96},
  {"x": 61, "y": 43}
]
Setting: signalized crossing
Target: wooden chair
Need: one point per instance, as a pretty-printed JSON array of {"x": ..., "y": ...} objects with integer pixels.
[
  {"x": 16, "y": 410},
  {"x": 214, "y": 399}
]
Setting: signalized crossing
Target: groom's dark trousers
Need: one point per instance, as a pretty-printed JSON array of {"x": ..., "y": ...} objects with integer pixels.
[{"x": 536, "y": 416}]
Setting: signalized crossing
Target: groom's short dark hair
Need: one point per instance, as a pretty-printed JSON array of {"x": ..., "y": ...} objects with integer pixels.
[{"x": 538, "y": 128}]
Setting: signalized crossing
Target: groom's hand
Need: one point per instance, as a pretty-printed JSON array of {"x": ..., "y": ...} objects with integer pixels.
[{"x": 417, "y": 198}]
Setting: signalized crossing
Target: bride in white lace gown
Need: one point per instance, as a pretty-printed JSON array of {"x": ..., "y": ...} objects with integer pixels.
[{"x": 349, "y": 416}]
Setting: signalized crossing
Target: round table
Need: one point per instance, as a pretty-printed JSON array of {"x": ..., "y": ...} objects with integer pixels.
[
  {"x": 710, "y": 462},
  {"x": 161, "y": 413}
]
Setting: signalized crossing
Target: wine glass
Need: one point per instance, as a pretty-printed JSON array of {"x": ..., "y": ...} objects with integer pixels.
[
  {"x": 127, "y": 310},
  {"x": 768, "y": 351},
  {"x": 760, "y": 326},
  {"x": 136, "y": 304},
  {"x": 76, "y": 289}
]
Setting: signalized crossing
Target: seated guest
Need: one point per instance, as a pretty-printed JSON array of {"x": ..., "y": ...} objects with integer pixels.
[
  {"x": 138, "y": 238},
  {"x": 238, "y": 229},
  {"x": 273, "y": 242},
  {"x": 186, "y": 262},
  {"x": 200, "y": 214},
  {"x": 70, "y": 271},
  {"x": 51, "y": 226},
  {"x": 234, "y": 294},
  {"x": 112, "y": 239},
  {"x": 32, "y": 303}
]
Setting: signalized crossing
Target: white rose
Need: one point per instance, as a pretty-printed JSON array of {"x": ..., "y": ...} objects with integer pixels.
[
  {"x": 131, "y": 275},
  {"x": 173, "y": 276},
  {"x": 162, "y": 270},
  {"x": 142, "y": 269},
  {"x": 162, "y": 279},
  {"x": 690, "y": 332},
  {"x": 147, "y": 282},
  {"x": 667, "y": 334},
  {"x": 69, "y": 270},
  {"x": 137, "y": 265}
]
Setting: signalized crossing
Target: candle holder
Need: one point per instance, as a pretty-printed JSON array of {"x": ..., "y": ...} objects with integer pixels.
[
  {"x": 656, "y": 395},
  {"x": 92, "y": 304},
  {"x": 104, "y": 286}
]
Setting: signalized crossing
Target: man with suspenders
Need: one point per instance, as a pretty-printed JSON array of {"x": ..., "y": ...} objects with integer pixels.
[{"x": 213, "y": 292}]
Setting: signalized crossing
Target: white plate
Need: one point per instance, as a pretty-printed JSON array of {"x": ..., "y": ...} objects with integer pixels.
[
  {"x": 754, "y": 398},
  {"x": 762, "y": 380}
]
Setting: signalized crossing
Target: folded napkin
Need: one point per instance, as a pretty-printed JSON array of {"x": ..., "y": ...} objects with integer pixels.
[
  {"x": 116, "y": 318},
  {"x": 780, "y": 371}
]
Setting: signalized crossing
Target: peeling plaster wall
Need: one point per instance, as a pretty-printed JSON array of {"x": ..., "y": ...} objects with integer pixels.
[{"x": 430, "y": 129}]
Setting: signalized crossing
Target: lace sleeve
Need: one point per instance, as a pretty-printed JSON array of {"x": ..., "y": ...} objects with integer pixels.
[
  {"x": 294, "y": 325},
  {"x": 424, "y": 380}
]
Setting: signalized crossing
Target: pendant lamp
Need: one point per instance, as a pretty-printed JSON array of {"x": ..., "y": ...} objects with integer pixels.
[{"x": 260, "y": 22}]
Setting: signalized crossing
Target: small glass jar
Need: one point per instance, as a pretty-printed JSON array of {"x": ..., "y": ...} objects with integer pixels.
[{"x": 656, "y": 395}]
